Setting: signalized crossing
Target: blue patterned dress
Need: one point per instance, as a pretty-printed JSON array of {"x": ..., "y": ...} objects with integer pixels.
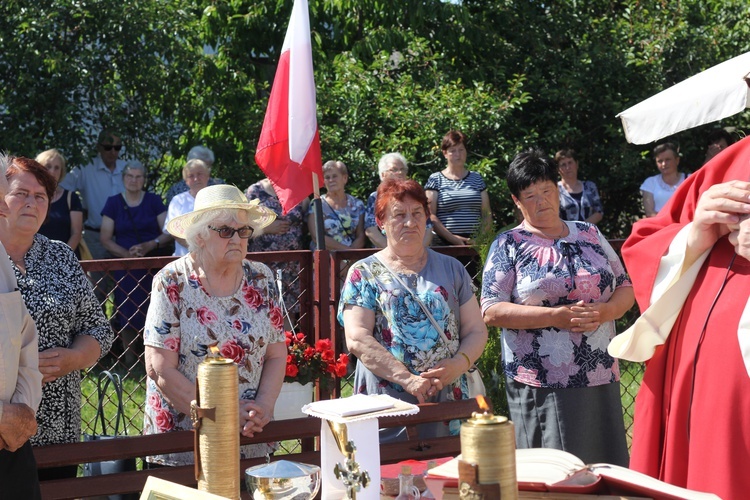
[
  {"x": 403, "y": 329},
  {"x": 341, "y": 225}
]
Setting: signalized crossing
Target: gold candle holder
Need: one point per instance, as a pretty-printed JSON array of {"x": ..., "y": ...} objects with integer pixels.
[
  {"x": 215, "y": 415},
  {"x": 488, "y": 458}
]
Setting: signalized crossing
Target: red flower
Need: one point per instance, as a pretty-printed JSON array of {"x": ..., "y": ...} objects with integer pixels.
[
  {"x": 163, "y": 420},
  {"x": 323, "y": 345},
  {"x": 291, "y": 370},
  {"x": 232, "y": 350},
  {"x": 457, "y": 393},
  {"x": 356, "y": 276},
  {"x": 172, "y": 344},
  {"x": 154, "y": 401},
  {"x": 252, "y": 297},
  {"x": 387, "y": 336},
  {"x": 206, "y": 316},
  {"x": 173, "y": 293},
  {"x": 277, "y": 319},
  {"x": 341, "y": 369},
  {"x": 305, "y": 363}
]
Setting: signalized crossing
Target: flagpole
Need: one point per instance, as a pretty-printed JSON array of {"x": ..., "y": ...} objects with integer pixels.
[{"x": 320, "y": 235}]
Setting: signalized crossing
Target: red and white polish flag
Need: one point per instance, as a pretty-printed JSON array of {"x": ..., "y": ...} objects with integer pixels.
[{"x": 288, "y": 150}]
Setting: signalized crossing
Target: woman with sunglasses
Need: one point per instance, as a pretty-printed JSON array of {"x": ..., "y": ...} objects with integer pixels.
[{"x": 213, "y": 298}]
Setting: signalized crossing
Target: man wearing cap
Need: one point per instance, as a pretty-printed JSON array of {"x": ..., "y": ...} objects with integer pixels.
[{"x": 96, "y": 182}]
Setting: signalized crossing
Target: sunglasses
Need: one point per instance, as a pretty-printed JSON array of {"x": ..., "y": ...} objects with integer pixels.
[
  {"x": 110, "y": 147},
  {"x": 228, "y": 232}
]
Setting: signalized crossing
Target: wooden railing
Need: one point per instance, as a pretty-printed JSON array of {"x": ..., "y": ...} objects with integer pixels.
[{"x": 140, "y": 446}]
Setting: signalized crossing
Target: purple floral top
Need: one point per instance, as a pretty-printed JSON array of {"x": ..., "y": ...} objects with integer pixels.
[
  {"x": 523, "y": 268},
  {"x": 292, "y": 239}
]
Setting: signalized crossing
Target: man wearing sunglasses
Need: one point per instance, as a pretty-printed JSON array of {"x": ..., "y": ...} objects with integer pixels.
[{"x": 96, "y": 182}]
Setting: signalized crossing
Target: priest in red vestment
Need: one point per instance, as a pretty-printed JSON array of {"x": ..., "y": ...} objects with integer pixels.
[{"x": 692, "y": 413}]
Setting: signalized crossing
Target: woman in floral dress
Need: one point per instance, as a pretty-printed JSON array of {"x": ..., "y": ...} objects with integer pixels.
[
  {"x": 285, "y": 233},
  {"x": 556, "y": 288},
  {"x": 73, "y": 332},
  {"x": 213, "y": 297},
  {"x": 343, "y": 214},
  {"x": 399, "y": 352}
]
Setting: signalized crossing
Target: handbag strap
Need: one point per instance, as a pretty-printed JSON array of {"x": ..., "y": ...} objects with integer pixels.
[
  {"x": 419, "y": 301},
  {"x": 341, "y": 223},
  {"x": 114, "y": 379}
]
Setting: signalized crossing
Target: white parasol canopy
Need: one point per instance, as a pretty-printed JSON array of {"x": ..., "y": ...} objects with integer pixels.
[{"x": 718, "y": 92}]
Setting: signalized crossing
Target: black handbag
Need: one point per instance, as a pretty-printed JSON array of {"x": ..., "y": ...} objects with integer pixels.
[{"x": 109, "y": 466}]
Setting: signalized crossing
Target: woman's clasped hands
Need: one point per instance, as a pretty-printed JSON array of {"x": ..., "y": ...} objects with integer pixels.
[
  {"x": 580, "y": 317},
  {"x": 253, "y": 417},
  {"x": 423, "y": 388}
]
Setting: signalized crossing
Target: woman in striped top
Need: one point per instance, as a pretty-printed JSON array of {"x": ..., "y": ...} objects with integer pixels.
[{"x": 459, "y": 202}]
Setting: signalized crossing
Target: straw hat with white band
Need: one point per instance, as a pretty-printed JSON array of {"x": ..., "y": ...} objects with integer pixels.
[{"x": 218, "y": 197}]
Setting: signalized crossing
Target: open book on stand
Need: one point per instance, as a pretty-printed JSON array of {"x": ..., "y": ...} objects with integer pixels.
[{"x": 556, "y": 471}]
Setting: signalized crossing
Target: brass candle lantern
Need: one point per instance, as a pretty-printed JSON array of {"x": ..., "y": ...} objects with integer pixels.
[
  {"x": 487, "y": 469},
  {"x": 215, "y": 416}
]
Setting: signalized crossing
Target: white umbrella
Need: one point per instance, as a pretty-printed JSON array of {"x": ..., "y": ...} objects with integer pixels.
[{"x": 711, "y": 95}]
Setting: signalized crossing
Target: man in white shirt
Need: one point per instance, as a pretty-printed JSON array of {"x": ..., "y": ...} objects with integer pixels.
[{"x": 96, "y": 182}]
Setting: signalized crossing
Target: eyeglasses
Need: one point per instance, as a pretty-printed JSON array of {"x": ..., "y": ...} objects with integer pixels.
[
  {"x": 110, "y": 147},
  {"x": 228, "y": 232}
]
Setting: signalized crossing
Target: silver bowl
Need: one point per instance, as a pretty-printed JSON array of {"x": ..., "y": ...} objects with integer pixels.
[{"x": 283, "y": 480}]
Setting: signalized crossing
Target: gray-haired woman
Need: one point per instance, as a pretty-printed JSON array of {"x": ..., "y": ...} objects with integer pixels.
[
  {"x": 213, "y": 297},
  {"x": 131, "y": 227}
]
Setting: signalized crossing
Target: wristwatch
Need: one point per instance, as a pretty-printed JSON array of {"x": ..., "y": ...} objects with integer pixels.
[{"x": 157, "y": 242}]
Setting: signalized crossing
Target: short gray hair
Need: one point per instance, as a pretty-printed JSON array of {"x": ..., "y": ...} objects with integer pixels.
[
  {"x": 201, "y": 153},
  {"x": 340, "y": 166},
  {"x": 389, "y": 158},
  {"x": 193, "y": 164},
  {"x": 198, "y": 231},
  {"x": 134, "y": 165}
]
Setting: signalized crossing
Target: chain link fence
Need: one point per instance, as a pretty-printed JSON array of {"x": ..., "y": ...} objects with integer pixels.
[{"x": 124, "y": 285}]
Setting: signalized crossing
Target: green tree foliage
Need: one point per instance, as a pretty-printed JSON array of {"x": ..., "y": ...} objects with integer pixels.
[
  {"x": 391, "y": 75},
  {"x": 169, "y": 74}
]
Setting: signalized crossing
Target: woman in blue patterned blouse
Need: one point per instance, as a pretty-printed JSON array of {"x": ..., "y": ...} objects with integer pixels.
[
  {"x": 556, "y": 289},
  {"x": 399, "y": 351},
  {"x": 343, "y": 214}
]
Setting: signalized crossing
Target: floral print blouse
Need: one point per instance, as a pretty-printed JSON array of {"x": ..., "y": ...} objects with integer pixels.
[
  {"x": 523, "y": 268},
  {"x": 400, "y": 324},
  {"x": 62, "y": 303},
  {"x": 292, "y": 239},
  {"x": 185, "y": 319},
  {"x": 341, "y": 225}
]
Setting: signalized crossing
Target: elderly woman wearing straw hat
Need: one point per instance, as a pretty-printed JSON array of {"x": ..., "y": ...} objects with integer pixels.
[{"x": 213, "y": 298}]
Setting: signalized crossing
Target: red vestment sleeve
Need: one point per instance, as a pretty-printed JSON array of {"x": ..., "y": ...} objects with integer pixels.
[{"x": 651, "y": 237}]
